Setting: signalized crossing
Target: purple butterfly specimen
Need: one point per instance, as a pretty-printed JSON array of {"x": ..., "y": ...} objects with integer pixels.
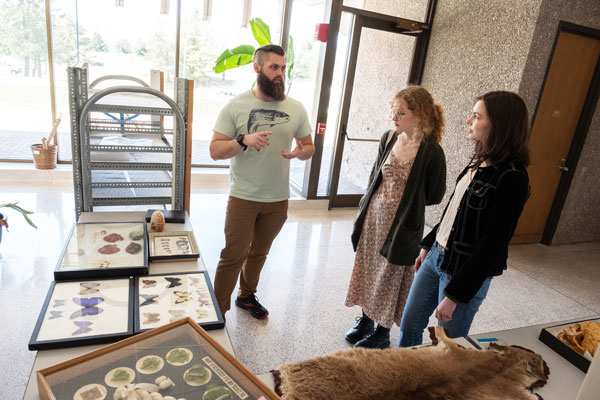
[
  {"x": 88, "y": 287},
  {"x": 58, "y": 303},
  {"x": 55, "y": 314},
  {"x": 88, "y": 301},
  {"x": 89, "y": 306},
  {"x": 83, "y": 327},
  {"x": 173, "y": 282}
]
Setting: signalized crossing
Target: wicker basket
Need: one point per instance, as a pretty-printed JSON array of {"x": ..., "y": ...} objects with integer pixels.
[{"x": 44, "y": 158}]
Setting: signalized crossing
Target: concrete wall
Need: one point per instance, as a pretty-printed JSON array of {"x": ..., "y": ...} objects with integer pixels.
[
  {"x": 476, "y": 46},
  {"x": 580, "y": 218}
]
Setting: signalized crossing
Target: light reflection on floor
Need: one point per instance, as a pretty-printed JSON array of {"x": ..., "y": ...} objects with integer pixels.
[{"x": 303, "y": 283}]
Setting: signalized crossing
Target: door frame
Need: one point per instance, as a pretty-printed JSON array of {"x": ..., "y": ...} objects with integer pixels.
[
  {"x": 580, "y": 134},
  {"x": 421, "y": 30}
]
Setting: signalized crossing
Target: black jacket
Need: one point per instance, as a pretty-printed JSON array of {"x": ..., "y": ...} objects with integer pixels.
[
  {"x": 485, "y": 222},
  {"x": 426, "y": 185}
]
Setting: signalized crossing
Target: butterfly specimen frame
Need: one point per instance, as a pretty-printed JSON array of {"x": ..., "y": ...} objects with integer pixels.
[
  {"x": 172, "y": 246},
  {"x": 165, "y": 298},
  {"x": 98, "y": 250},
  {"x": 78, "y": 313},
  {"x": 199, "y": 367}
]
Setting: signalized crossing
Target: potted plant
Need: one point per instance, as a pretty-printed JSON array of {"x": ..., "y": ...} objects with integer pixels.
[{"x": 4, "y": 219}]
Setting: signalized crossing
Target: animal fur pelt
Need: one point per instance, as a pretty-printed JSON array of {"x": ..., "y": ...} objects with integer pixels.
[{"x": 444, "y": 370}]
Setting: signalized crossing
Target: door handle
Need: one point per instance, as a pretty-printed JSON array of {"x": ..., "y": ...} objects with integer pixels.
[{"x": 562, "y": 167}]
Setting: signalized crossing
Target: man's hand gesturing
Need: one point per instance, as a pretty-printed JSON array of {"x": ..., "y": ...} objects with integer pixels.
[{"x": 257, "y": 140}]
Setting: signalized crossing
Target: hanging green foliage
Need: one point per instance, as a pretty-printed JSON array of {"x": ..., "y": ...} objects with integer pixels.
[{"x": 242, "y": 55}]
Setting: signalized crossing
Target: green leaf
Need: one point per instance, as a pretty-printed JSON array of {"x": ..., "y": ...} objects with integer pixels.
[
  {"x": 24, "y": 212},
  {"x": 261, "y": 31},
  {"x": 234, "y": 58},
  {"x": 290, "y": 58}
]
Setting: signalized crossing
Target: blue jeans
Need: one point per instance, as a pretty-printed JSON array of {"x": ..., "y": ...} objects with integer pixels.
[{"x": 426, "y": 292}]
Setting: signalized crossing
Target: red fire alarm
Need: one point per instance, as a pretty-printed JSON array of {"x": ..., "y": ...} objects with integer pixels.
[
  {"x": 321, "y": 32},
  {"x": 321, "y": 126}
]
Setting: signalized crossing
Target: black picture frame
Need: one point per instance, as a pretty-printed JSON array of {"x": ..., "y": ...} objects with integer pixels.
[
  {"x": 172, "y": 246},
  {"x": 155, "y": 300},
  {"x": 88, "y": 263},
  {"x": 549, "y": 338},
  {"x": 54, "y": 329}
]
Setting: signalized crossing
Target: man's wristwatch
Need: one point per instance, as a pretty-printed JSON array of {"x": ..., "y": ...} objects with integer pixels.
[{"x": 240, "y": 139}]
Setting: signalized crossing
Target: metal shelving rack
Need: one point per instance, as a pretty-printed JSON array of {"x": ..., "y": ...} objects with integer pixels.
[{"x": 127, "y": 162}]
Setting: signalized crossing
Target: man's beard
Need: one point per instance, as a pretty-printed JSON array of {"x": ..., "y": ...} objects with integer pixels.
[{"x": 276, "y": 90}]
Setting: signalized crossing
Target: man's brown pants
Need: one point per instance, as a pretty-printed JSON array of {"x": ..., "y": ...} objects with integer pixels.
[{"x": 250, "y": 228}]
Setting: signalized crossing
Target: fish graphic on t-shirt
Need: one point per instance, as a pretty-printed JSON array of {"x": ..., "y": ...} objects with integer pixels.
[{"x": 260, "y": 119}]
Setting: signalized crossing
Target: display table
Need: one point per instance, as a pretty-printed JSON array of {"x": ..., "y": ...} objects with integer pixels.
[
  {"x": 565, "y": 379},
  {"x": 47, "y": 358}
]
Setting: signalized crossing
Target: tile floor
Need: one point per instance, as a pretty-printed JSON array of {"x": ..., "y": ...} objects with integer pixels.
[{"x": 303, "y": 283}]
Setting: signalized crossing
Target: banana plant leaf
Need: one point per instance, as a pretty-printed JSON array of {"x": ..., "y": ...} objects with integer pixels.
[
  {"x": 234, "y": 58},
  {"x": 261, "y": 31}
]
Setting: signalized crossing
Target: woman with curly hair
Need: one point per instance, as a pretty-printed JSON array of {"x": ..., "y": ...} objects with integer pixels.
[{"x": 408, "y": 174}]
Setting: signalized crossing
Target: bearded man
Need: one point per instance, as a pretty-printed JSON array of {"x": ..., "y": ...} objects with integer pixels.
[{"x": 256, "y": 130}]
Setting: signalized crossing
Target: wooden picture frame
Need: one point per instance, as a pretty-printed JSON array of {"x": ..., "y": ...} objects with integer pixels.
[
  {"x": 172, "y": 246},
  {"x": 98, "y": 249},
  {"x": 174, "y": 349},
  {"x": 79, "y": 313},
  {"x": 549, "y": 336},
  {"x": 164, "y": 298}
]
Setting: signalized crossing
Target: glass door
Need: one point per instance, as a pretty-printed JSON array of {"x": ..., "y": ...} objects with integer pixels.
[{"x": 379, "y": 65}]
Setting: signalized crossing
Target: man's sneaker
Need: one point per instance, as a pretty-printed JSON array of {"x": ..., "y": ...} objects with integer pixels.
[{"x": 251, "y": 304}]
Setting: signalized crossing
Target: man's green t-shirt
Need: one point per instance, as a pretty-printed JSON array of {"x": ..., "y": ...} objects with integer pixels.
[{"x": 262, "y": 175}]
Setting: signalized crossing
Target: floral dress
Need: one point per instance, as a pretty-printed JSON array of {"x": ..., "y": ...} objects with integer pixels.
[{"x": 378, "y": 286}]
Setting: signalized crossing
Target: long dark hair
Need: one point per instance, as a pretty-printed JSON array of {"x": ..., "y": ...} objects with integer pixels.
[{"x": 509, "y": 134}]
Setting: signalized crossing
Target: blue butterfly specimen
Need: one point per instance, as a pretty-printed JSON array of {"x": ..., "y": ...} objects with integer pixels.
[
  {"x": 149, "y": 283},
  {"x": 58, "y": 303},
  {"x": 83, "y": 327},
  {"x": 89, "y": 306},
  {"x": 88, "y": 287},
  {"x": 55, "y": 314},
  {"x": 176, "y": 314},
  {"x": 181, "y": 296},
  {"x": 151, "y": 318},
  {"x": 149, "y": 299},
  {"x": 173, "y": 282}
]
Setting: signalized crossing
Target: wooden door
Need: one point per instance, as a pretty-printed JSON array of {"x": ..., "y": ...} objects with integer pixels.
[{"x": 568, "y": 81}]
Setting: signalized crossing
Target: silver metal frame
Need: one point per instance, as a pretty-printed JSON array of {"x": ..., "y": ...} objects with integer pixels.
[{"x": 82, "y": 125}]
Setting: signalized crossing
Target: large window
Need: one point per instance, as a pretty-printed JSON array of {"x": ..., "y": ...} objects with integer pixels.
[
  {"x": 204, "y": 36},
  {"x": 24, "y": 86}
]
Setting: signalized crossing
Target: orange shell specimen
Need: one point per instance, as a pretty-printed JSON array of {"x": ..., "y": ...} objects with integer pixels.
[{"x": 157, "y": 221}]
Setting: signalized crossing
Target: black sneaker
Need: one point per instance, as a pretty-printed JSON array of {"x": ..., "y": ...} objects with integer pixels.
[{"x": 251, "y": 304}]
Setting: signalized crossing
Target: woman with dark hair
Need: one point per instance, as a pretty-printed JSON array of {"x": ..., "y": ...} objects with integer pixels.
[
  {"x": 408, "y": 174},
  {"x": 469, "y": 246}
]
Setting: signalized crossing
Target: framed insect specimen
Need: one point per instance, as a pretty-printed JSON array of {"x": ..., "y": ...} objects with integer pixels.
[
  {"x": 165, "y": 298},
  {"x": 178, "y": 359},
  {"x": 78, "y": 313},
  {"x": 96, "y": 250},
  {"x": 172, "y": 246}
]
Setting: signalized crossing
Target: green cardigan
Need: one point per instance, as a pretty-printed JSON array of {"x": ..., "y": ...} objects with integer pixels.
[{"x": 426, "y": 185}]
